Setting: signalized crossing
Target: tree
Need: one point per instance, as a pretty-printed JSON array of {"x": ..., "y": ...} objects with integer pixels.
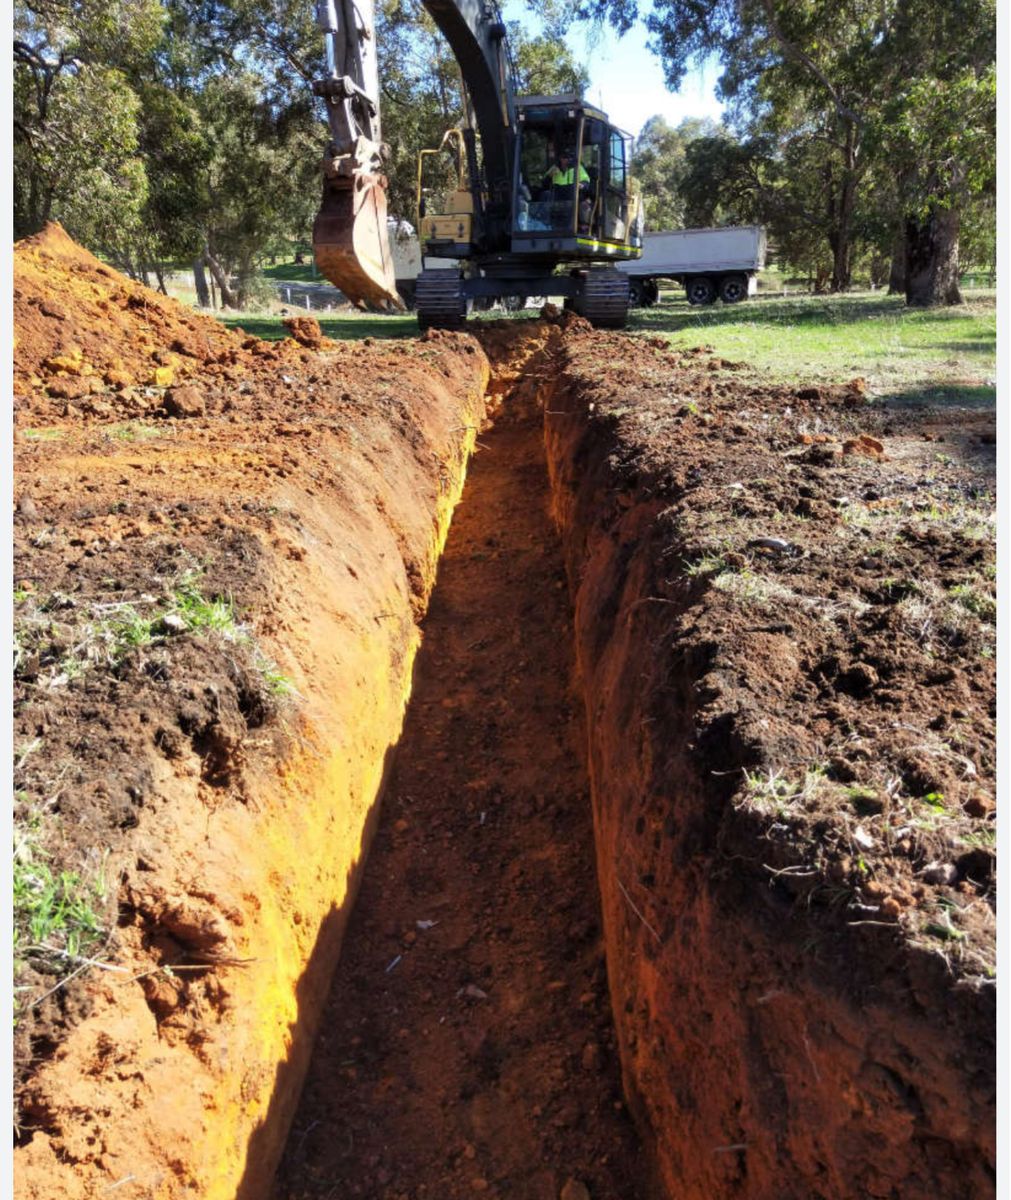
[
  {"x": 75, "y": 113},
  {"x": 660, "y": 158},
  {"x": 943, "y": 142},
  {"x": 841, "y": 88}
]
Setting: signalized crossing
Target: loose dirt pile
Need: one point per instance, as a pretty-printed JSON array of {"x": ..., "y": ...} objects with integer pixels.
[{"x": 218, "y": 585}]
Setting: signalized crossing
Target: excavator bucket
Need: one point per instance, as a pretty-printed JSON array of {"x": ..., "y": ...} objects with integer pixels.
[{"x": 351, "y": 242}]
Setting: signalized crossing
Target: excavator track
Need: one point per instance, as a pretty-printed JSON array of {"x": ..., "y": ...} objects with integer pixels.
[
  {"x": 439, "y": 299},
  {"x": 604, "y": 298}
]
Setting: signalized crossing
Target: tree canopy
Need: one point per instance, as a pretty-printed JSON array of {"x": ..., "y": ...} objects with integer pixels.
[
  {"x": 837, "y": 107},
  {"x": 165, "y": 131}
]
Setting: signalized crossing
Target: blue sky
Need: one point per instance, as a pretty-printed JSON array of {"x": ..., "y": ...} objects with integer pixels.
[{"x": 626, "y": 80}]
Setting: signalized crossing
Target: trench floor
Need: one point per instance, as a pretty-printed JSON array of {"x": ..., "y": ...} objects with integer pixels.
[{"x": 467, "y": 1048}]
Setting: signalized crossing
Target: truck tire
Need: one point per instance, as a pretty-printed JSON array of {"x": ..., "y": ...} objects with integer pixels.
[
  {"x": 733, "y": 288},
  {"x": 700, "y": 289},
  {"x": 643, "y": 293}
]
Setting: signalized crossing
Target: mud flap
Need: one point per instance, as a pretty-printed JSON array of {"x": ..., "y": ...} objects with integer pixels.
[{"x": 351, "y": 242}]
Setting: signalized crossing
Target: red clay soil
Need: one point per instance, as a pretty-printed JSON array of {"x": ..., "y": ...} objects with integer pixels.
[
  {"x": 219, "y": 779},
  {"x": 783, "y": 636},
  {"x": 785, "y": 628},
  {"x": 467, "y": 1048}
]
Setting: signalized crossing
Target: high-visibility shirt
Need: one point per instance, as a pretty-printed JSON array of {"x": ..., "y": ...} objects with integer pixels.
[{"x": 559, "y": 178}]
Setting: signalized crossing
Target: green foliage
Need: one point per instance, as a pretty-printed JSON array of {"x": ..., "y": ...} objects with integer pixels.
[
  {"x": 55, "y": 912},
  {"x": 202, "y": 614},
  {"x": 660, "y": 161},
  {"x": 850, "y": 120}
]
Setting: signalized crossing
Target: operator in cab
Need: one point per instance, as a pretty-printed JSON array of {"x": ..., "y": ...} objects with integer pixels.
[{"x": 562, "y": 173}]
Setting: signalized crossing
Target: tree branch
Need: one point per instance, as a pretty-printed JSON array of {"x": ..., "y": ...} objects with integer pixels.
[{"x": 806, "y": 61}]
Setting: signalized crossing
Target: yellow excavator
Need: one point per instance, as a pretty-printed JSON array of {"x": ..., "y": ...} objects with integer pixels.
[{"x": 542, "y": 204}]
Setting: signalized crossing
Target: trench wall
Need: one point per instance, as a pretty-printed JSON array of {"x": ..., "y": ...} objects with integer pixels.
[
  {"x": 763, "y": 1054},
  {"x": 197, "y": 1101}
]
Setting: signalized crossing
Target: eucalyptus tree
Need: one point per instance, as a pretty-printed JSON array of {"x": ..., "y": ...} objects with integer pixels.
[
  {"x": 848, "y": 86},
  {"x": 75, "y": 113}
]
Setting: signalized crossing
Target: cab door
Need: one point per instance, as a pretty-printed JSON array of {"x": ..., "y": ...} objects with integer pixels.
[{"x": 616, "y": 192}]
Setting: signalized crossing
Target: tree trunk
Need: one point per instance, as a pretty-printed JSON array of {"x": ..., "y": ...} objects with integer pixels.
[
  {"x": 842, "y": 240},
  {"x": 932, "y": 259},
  {"x": 160, "y": 276},
  {"x": 200, "y": 283},
  {"x": 228, "y": 297},
  {"x": 897, "y": 275}
]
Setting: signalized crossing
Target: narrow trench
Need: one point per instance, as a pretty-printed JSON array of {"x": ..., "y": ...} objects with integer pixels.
[{"x": 467, "y": 1046}]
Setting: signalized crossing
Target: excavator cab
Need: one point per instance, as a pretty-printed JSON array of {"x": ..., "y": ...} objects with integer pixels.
[{"x": 572, "y": 189}]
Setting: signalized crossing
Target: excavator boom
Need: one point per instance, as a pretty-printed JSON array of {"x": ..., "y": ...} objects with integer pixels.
[{"x": 350, "y": 239}]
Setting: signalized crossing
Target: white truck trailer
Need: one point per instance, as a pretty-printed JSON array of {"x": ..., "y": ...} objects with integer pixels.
[{"x": 710, "y": 263}]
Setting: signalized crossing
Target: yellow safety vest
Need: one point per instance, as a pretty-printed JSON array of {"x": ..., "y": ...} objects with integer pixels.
[{"x": 560, "y": 178}]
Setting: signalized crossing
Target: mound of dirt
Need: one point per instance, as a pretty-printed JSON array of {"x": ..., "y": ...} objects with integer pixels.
[
  {"x": 220, "y": 569},
  {"x": 88, "y": 340}
]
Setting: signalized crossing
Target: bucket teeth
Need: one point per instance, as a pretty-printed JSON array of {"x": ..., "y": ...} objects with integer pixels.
[{"x": 351, "y": 243}]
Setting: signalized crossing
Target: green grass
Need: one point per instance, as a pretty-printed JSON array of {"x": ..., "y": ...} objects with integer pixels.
[
  {"x": 45, "y": 435},
  {"x": 941, "y": 356},
  {"x": 350, "y": 326},
  {"x": 57, "y": 642},
  {"x": 293, "y": 272},
  {"x": 55, "y": 913},
  {"x": 938, "y": 355},
  {"x": 202, "y": 615}
]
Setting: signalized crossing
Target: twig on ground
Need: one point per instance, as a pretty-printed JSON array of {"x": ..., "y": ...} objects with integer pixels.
[{"x": 631, "y": 903}]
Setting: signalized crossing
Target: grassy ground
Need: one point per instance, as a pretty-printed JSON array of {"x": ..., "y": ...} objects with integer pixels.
[
  {"x": 294, "y": 272},
  {"x": 939, "y": 356},
  {"x": 343, "y": 327}
]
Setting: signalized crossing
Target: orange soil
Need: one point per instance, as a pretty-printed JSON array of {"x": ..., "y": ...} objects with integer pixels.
[
  {"x": 320, "y": 501},
  {"x": 467, "y": 1048},
  {"x": 767, "y": 1047}
]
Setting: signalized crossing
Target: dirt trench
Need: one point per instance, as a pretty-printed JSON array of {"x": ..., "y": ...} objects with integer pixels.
[
  {"x": 782, "y": 626},
  {"x": 467, "y": 1046}
]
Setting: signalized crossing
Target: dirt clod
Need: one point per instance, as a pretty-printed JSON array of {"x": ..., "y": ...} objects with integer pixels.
[{"x": 183, "y": 402}]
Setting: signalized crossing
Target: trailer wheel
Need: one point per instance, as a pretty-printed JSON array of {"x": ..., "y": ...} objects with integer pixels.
[
  {"x": 700, "y": 289},
  {"x": 650, "y": 293},
  {"x": 635, "y": 293},
  {"x": 733, "y": 288}
]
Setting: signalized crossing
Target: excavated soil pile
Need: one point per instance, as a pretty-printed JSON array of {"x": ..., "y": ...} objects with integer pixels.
[
  {"x": 785, "y": 630},
  {"x": 218, "y": 589}
]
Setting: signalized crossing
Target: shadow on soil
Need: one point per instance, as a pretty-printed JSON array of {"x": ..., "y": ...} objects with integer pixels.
[{"x": 976, "y": 396}]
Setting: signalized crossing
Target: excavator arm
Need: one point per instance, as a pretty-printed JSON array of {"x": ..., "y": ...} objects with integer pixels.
[{"x": 350, "y": 239}]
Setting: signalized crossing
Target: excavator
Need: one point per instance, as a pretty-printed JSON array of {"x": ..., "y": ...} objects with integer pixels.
[{"x": 541, "y": 205}]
